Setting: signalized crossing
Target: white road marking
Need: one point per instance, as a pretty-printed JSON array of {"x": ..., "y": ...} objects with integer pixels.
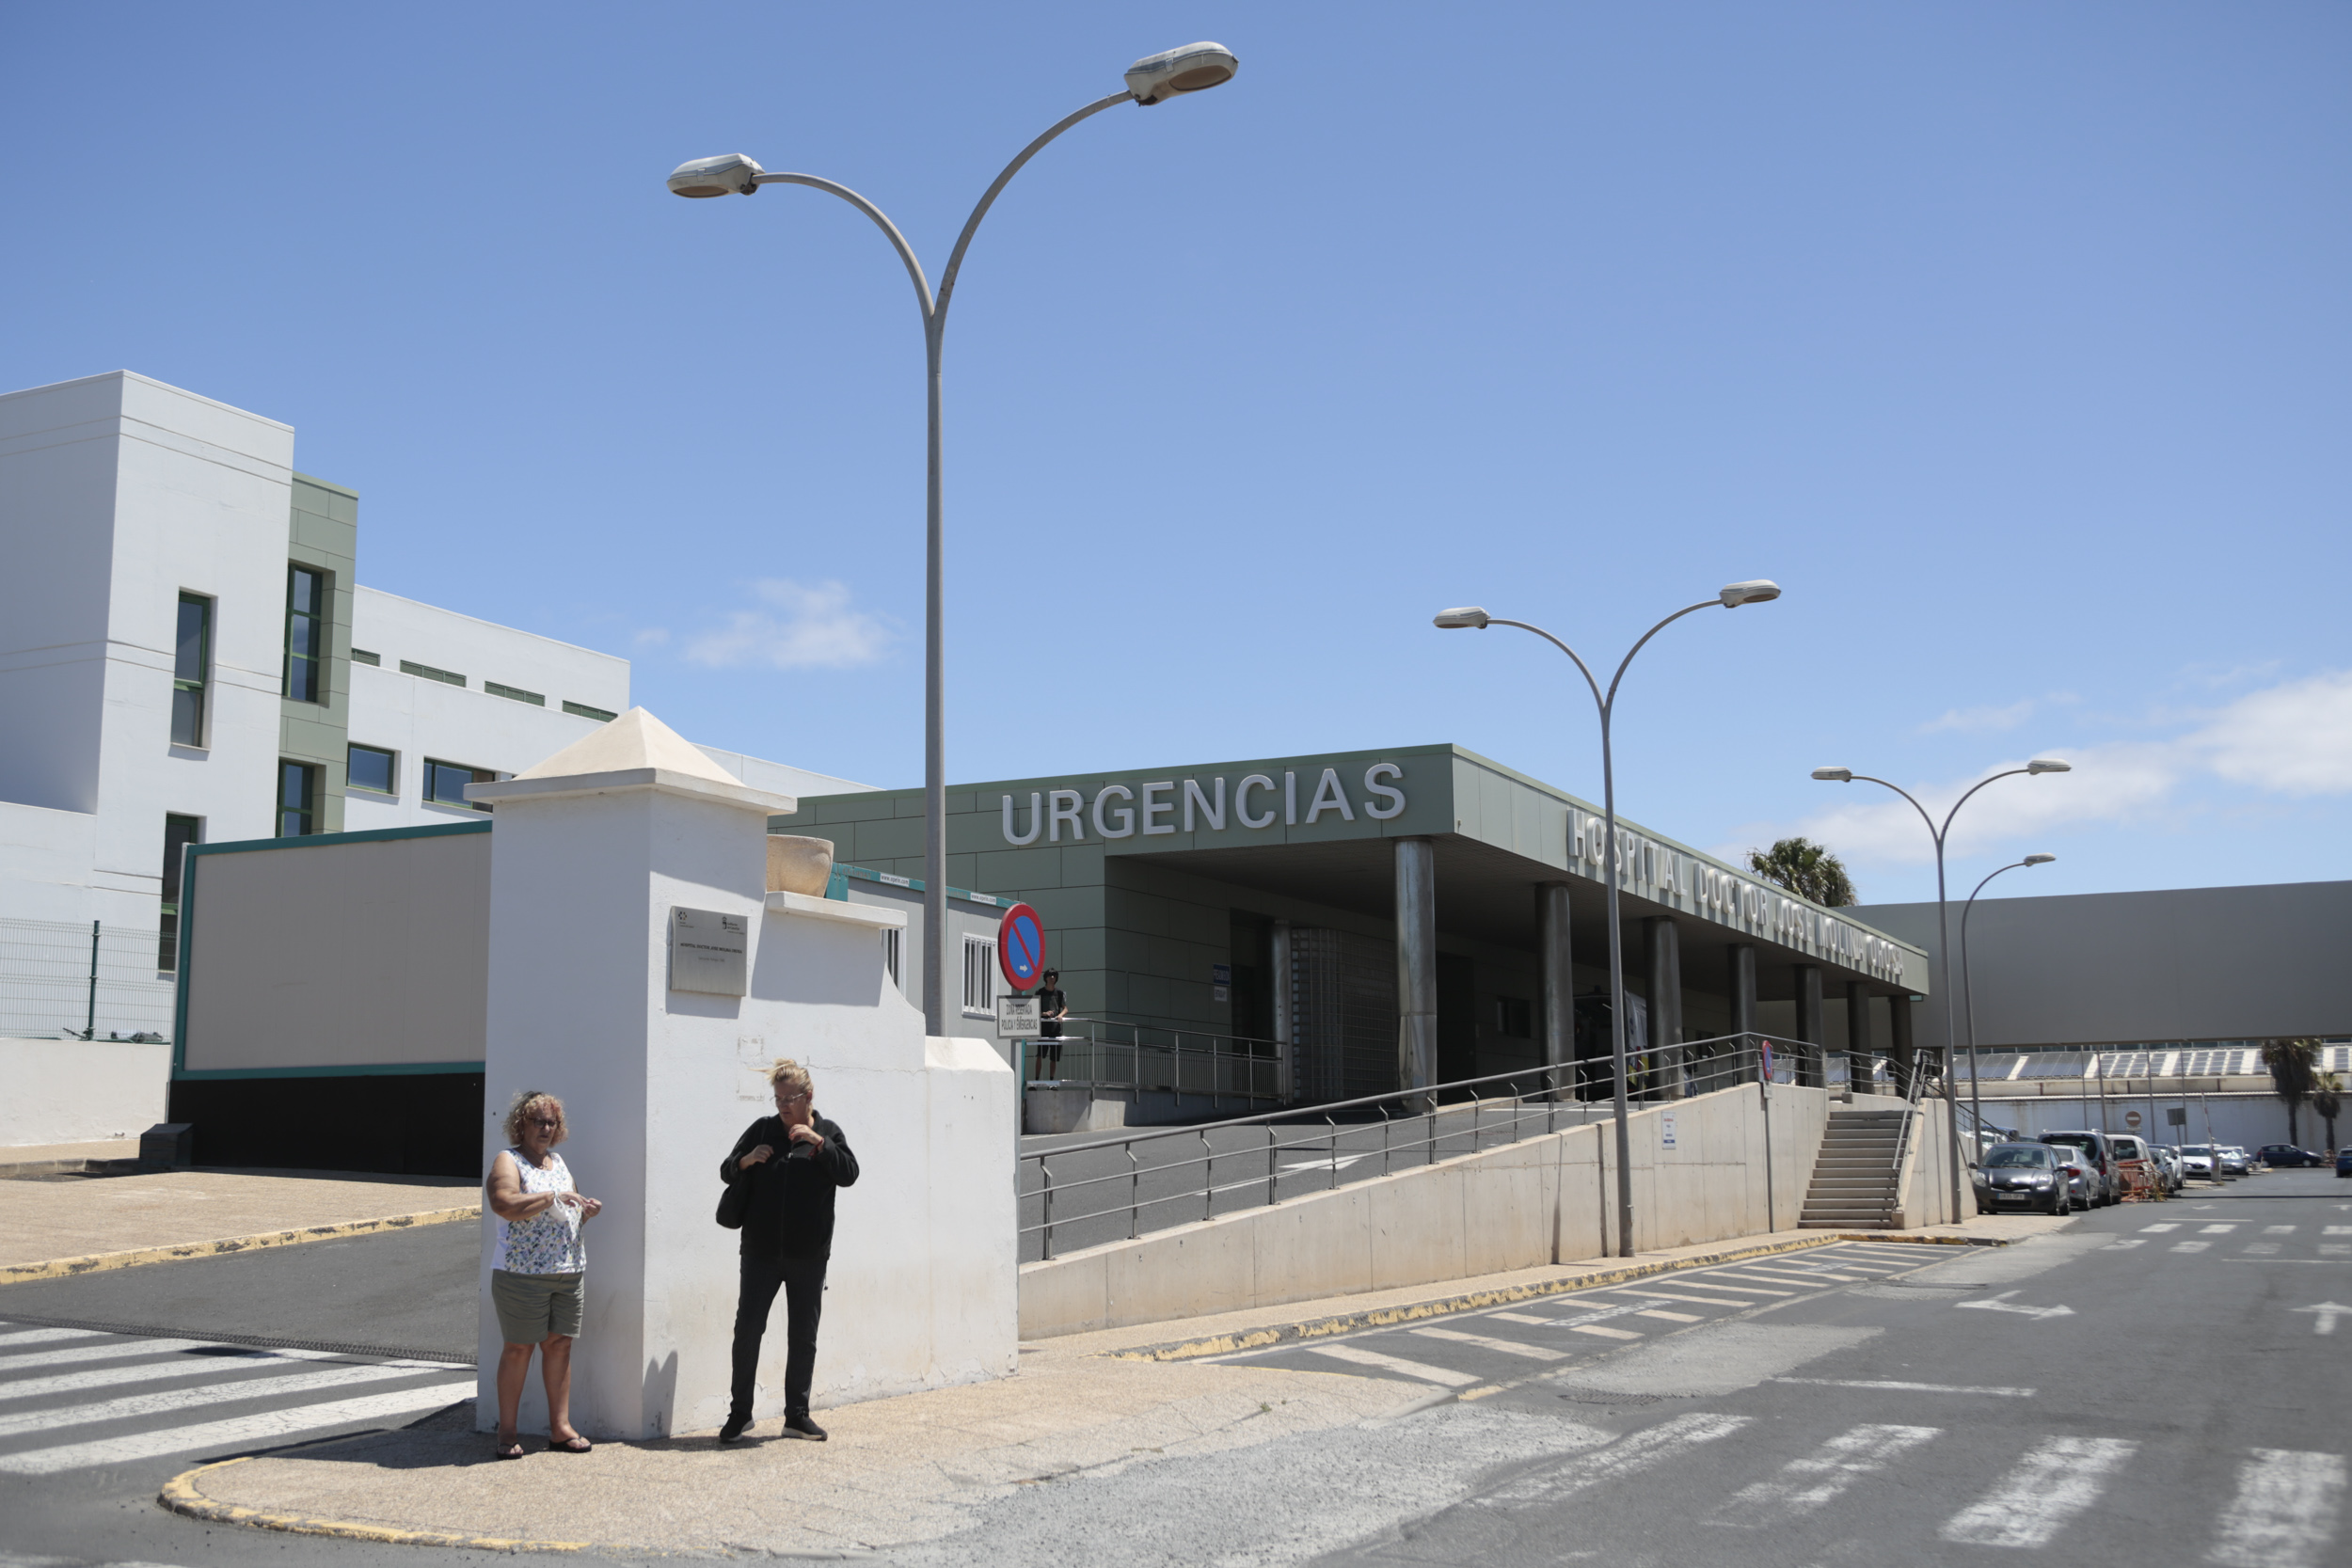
[
  {"x": 239, "y": 1433},
  {"x": 1522, "y": 1318},
  {"x": 1911, "y": 1388},
  {"x": 26, "y": 1337},
  {"x": 2223, "y": 1229},
  {"x": 2284, "y": 1514},
  {"x": 1670, "y": 1316},
  {"x": 2120, "y": 1246},
  {"x": 1739, "y": 1290},
  {"x": 1701, "y": 1301},
  {"x": 2329, "y": 1313},
  {"x": 1804, "y": 1484},
  {"x": 2188, "y": 1246},
  {"x": 2029, "y": 1506},
  {"x": 229, "y": 1392},
  {"x": 2336, "y": 1230},
  {"x": 1798, "y": 1273},
  {"x": 2261, "y": 1249},
  {"x": 1625, "y": 1457},
  {"x": 1484, "y": 1341},
  {"x": 2278, "y": 1231},
  {"x": 2002, "y": 1304},
  {"x": 1750, "y": 1289},
  {"x": 111, "y": 1351},
  {"x": 185, "y": 1367},
  {"x": 1604, "y": 1331},
  {"x": 2160, "y": 1229},
  {"x": 1397, "y": 1364}
]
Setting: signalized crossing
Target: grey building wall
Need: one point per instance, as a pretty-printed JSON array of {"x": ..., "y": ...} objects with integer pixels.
[
  {"x": 2130, "y": 968},
  {"x": 323, "y": 534}
]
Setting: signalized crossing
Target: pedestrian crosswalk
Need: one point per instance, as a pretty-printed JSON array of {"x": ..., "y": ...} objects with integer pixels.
[{"x": 71, "y": 1399}]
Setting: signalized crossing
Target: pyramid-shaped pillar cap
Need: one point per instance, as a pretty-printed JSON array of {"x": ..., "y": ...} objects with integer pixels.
[{"x": 633, "y": 752}]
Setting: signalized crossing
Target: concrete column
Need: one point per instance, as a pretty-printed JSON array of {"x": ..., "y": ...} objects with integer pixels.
[
  {"x": 1809, "y": 1028},
  {"x": 1741, "y": 958},
  {"x": 1858, "y": 1061},
  {"x": 1662, "y": 952},
  {"x": 1416, "y": 963},
  {"x": 1899, "y": 1044},
  {"x": 1558, "y": 978},
  {"x": 1285, "y": 1012}
]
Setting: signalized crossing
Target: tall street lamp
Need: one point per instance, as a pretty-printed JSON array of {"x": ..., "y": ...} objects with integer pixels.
[
  {"x": 1154, "y": 79},
  {"x": 1968, "y": 997},
  {"x": 1472, "y": 618},
  {"x": 1943, "y": 922}
]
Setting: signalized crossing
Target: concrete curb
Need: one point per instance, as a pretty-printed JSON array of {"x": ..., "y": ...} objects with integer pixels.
[
  {"x": 179, "y": 1496},
  {"x": 1258, "y": 1339},
  {"x": 97, "y": 1263}
]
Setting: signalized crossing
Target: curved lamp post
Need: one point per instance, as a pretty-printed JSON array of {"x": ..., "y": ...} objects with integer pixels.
[
  {"x": 1968, "y": 997},
  {"x": 1472, "y": 618},
  {"x": 1943, "y": 921},
  {"x": 1154, "y": 79}
]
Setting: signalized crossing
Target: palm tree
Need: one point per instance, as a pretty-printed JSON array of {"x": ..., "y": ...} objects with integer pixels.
[
  {"x": 2328, "y": 1099},
  {"x": 2294, "y": 1066},
  {"x": 1805, "y": 868}
]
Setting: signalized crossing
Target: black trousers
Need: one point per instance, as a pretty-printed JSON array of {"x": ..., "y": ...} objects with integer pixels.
[{"x": 802, "y": 1282}]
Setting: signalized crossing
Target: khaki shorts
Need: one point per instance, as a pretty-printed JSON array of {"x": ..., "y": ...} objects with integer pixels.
[{"x": 532, "y": 1307}]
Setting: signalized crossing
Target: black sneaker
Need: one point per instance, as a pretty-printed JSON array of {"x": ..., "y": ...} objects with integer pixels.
[
  {"x": 736, "y": 1427},
  {"x": 800, "y": 1426}
]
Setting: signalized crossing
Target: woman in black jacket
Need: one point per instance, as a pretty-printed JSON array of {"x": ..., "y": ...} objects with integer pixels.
[{"x": 793, "y": 1161}]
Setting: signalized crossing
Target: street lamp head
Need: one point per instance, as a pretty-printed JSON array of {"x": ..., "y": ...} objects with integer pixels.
[
  {"x": 2049, "y": 764},
  {"x": 1195, "y": 68},
  {"x": 728, "y": 174},
  {"x": 1455, "y": 620},
  {"x": 1834, "y": 775},
  {"x": 2037, "y": 860},
  {"x": 1759, "y": 591}
]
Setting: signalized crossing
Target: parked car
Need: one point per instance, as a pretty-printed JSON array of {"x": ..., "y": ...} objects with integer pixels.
[
  {"x": 2286, "y": 1156},
  {"x": 2343, "y": 1161},
  {"x": 2201, "y": 1161},
  {"x": 2082, "y": 1178},
  {"x": 2169, "y": 1161},
  {"x": 2105, "y": 1186},
  {"x": 2024, "y": 1177},
  {"x": 2235, "y": 1160},
  {"x": 2130, "y": 1147}
]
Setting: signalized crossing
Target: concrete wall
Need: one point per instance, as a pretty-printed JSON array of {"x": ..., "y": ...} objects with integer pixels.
[
  {"x": 2116, "y": 968},
  {"x": 79, "y": 1091},
  {"x": 1546, "y": 1200},
  {"x": 1924, "y": 1195}
]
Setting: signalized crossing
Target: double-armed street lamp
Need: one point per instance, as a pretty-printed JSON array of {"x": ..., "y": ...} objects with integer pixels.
[
  {"x": 1943, "y": 922},
  {"x": 1472, "y": 618},
  {"x": 1154, "y": 79},
  {"x": 1968, "y": 996}
]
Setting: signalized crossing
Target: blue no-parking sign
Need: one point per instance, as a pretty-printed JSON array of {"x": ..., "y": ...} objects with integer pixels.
[{"x": 1020, "y": 946}]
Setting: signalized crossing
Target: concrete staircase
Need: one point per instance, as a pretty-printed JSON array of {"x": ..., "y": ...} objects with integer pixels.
[{"x": 1854, "y": 1181}]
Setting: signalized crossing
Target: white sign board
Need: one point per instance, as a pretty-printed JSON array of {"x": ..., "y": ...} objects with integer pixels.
[
  {"x": 1666, "y": 1129},
  {"x": 1017, "y": 1015},
  {"x": 707, "y": 952}
]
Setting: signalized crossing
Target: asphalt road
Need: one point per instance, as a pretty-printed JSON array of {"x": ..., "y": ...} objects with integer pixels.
[{"x": 2149, "y": 1385}]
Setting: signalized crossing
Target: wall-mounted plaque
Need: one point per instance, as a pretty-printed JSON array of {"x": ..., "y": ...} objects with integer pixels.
[{"x": 707, "y": 952}]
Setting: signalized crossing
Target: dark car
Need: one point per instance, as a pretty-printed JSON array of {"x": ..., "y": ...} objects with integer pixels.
[
  {"x": 2343, "y": 1161},
  {"x": 2282, "y": 1156},
  {"x": 2106, "y": 1184},
  {"x": 2024, "y": 1176}
]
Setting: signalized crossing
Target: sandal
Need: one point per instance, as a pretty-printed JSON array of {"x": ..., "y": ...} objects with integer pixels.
[
  {"x": 569, "y": 1445},
  {"x": 510, "y": 1448}
]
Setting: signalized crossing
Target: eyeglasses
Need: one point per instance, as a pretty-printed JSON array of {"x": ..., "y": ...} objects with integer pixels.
[
  {"x": 542, "y": 1122},
  {"x": 796, "y": 1094}
]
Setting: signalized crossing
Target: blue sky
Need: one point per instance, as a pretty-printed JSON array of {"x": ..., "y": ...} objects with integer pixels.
[{"x": 2011, "y": 338}]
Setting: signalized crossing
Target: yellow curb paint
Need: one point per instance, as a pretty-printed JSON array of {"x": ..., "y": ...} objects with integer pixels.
[
  {"x": 98, "y": 1262},
  {"x": 179, "y": 1496}
]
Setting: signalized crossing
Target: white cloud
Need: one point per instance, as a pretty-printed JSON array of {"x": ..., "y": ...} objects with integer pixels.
[
  {"x": 653, "y": 637},
  {"x": 1972, "y": 719},
  {"x": 809, "y": 626},
  {"x": 2292, "y": 740}
]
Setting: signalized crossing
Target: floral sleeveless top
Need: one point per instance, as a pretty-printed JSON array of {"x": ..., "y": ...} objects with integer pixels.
[{"x": 549, "y": 1242}]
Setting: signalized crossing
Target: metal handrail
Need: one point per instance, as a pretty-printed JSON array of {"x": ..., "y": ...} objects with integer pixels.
[
  {"x": 1174, "y": 1053},
  {"x": 1663, "y": 1083}
]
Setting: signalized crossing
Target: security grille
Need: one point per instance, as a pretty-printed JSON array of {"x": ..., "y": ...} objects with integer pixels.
[{"x": 1344, "y": 1012}]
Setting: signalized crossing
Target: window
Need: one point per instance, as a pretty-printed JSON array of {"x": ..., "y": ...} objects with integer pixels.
[
  {"x": 410, "y": 667},
  {"x": 179, "y": 833},
  {"x": 297, "y": 798},
  {"x": 514, "y": 693},
  {"x": 372, "y": 768},
  {"x": 979, "y": 977},
  {"x": 191, "y": 665},
  {"x": 581, "y": 710},
  {"x": 306, "y": 634},
  {"x": 360, "y": 656},
  {"x": 1514, "y": 1016},
  {"x": 445, "y": 782},
  {"x": 890, "y": 954}
]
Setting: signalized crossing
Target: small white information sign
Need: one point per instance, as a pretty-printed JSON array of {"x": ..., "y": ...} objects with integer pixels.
[
  {"x": 1017, "y": 1015},
  {"x": 707, "y": 952},
  {"x": 1666, "y": 1129}
]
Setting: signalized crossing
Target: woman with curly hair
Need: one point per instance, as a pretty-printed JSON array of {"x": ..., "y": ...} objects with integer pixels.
[{"x": 536, "y": 1265}]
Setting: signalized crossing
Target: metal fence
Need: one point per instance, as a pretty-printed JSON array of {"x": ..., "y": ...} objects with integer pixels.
[
  {"x": 1122, "y": 1185},
  {"x": 59, "y": 978},
  {"x": 1188, "y": 1063}
]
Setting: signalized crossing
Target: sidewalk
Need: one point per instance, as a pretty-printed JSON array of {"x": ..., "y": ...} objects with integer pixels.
[
  {"x": 75, "y": 1224},
  {"x": 898, "y": 1470}
]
